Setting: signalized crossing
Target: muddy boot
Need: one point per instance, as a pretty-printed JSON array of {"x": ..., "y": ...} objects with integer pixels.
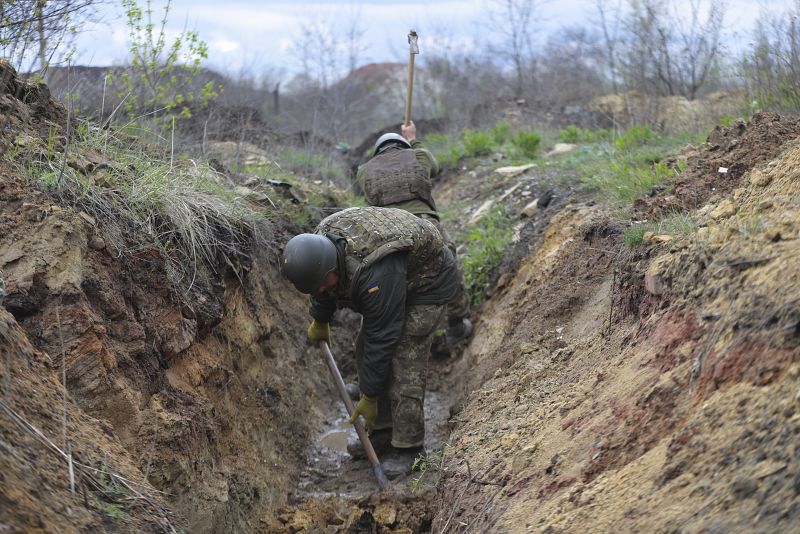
[
  {"x": 353, "y": 391},
  {"x": 381, "y": 441},
  {"x": 458, "y": 330},
  {"x": 398, "y": 462}
]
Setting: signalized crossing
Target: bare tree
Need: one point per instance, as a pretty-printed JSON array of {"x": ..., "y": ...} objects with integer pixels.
[
  {"x": 33, "y": 32},
  {"x": 771, "y": 67},
  {"x": 512, "y": 20},
  {"x": 652, "y": 46}
]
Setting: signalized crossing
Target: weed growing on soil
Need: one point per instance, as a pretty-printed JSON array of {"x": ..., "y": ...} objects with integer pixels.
[
  {"x": 183, "y": 209},
  {"x": 424, "y": 464},
  {"x": 477, "y": 142},
  {"x": 676, "y": 224},
  {"x": 574, "y": 134},
  {"x": 485, "y": 246},
  {"x": 633, "y": 167},
  {"x": 528, "y": 143}
]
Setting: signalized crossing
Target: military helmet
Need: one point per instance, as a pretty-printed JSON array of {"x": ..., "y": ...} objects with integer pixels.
[
  {"x": 388, "y": 138},
  {"x": 307, "y": 258}
]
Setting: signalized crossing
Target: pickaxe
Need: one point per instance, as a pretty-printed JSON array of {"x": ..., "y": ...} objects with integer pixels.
[{"x": 414, "y": 50}]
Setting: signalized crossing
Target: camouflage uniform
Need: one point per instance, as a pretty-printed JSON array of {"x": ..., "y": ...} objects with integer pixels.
[
  {"x": 395, "y": 270},
  {"x": 401, "y": 178}
]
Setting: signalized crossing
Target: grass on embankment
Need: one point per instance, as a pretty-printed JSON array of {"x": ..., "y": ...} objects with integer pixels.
[{"x": 142, "y": 198}]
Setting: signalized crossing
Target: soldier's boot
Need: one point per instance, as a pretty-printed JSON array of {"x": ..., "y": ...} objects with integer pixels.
[
  {"x": 399, "y": 462},
  {"x": 381, "y": 441},
  {"x": 457, "y": 330}
]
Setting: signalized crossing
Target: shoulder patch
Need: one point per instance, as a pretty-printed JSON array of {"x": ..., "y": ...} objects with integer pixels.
[{"x": 373, "y": 288}]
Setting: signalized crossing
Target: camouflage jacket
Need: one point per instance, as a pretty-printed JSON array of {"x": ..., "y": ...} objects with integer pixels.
[{"x": 388, "y": 260}]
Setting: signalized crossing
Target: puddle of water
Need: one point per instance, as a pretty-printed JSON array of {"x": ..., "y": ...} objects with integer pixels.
[{"x": 335, "y": 439}]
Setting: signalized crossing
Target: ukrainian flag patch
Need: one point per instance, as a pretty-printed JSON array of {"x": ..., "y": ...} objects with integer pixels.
[{"x": 373, "y": 288}]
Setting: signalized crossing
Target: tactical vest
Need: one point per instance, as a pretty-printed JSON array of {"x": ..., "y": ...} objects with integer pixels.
[
  {"x": 396, "y": 176},
  {"x": 374, "y": 233}
]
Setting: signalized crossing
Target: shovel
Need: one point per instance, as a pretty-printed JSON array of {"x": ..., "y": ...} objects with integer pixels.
[{"x": 362, "y": 434}]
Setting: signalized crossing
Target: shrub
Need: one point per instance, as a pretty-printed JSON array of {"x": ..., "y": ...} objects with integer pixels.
[
  {"x": 570, "y": 134},
  {"x": 445, "y": 148},
  {"x": 486, "y": 245},
  {"x": 574, "y": 134},
  {"x": 501, "y": 133},
  {"x": 635, "y": 136},
  {"x": 528, "y": 143},
  {"x": 477, "y": 142}
]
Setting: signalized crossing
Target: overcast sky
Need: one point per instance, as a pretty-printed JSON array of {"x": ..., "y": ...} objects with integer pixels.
[{"x": 257, "y": 36}]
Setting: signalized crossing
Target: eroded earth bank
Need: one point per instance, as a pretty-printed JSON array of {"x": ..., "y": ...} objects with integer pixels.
[{"x": 606, "y": 388}]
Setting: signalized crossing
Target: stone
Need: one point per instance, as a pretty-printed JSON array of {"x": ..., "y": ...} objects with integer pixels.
[
  {"x": 760, "y": 178},
  {"x": 723, "y": 210},
  {"x": 88, "y": 218},
  {"x": 769, "y": 467},
  {"x": 514, "y": 171},
  {"x": 482, "y": 210},
  {"x": 655, "y": 281},
  {"x": 743, "y": 487},
  {"x": 96, "y": 243},
  {"x": 385, "y": 514},
  {"x": 562, "y": 148},
  {"x": 531, "y": 209}
]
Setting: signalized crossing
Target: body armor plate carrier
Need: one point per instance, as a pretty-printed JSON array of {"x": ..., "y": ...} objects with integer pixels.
[
  {"x": 396, "y": 176},
  {"x": 374, "y": 233}
]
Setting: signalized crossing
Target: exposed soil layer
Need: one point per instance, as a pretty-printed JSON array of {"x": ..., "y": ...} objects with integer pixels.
[
  {"x": 717, "y": 166},
  {"x": 653, "y": 390}
]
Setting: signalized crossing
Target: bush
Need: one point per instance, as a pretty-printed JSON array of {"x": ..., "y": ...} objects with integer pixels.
[
  {"x": 445, "y": 148},
  {"x": 635, "y": 136},
  {"x": 574, "y": 134},
  {"x": 486, "y": 245},
  {"x": 528, "y": 143},
  {"x": 477, "y": 142},
  {"x": 501, "y": 133}
]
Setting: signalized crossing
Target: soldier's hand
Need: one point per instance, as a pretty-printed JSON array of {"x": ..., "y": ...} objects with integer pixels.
[
  {"x": 368, "y": 407},
  {"x": 319, "y": 332},
  {"x": 409, "y": 131}
]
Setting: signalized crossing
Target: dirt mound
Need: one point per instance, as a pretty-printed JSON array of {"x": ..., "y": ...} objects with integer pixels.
[
  {"x": 676, "y": 414},
  {"x": 26, "y": 106},
  {"x": 716, "y": 167},
  {"x": 199, "y": 389},
  {"x": 50, "y": 445}
]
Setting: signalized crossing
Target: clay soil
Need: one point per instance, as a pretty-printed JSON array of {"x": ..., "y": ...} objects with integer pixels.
[
  {"x": 605, "y": 388},
  {"x": 654, "y": 390}
]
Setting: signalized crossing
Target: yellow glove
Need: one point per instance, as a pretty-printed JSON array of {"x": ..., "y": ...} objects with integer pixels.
[
  {"x": 319, "y": 332},
  {"x": 368, "y": 407}
]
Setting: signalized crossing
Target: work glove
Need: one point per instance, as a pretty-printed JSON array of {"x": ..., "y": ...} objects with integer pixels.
[
  {"x": 368, "y": 407},
  {"x": 319, "y": 332}
]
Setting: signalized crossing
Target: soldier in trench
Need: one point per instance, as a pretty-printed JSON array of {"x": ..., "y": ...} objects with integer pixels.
[
  {"x": 396, "y": 270},
  {"x": 399, "y": 176}
]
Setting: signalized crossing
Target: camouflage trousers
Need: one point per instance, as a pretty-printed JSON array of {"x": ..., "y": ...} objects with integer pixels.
[
  {"x": 458, "y": 307},
  {"x": 401, "y": 405}
]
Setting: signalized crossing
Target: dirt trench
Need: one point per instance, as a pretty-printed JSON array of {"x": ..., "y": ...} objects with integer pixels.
[{"x": 642, "y": 390}]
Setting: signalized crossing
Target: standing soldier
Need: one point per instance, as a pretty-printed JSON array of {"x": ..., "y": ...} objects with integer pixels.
[
  {"x": 394, "y": 269},
  {"x": 399, "y": 176}
]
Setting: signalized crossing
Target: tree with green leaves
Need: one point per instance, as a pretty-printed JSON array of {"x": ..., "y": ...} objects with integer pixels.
[{"x": 162, "y": 79}]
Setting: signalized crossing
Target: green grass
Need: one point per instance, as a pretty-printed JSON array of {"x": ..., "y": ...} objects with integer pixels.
[
  {"x": 141, "y": 201},
  {"x": 573, "y": 134},
  {"x": 675, "y": 224},
  {"x": 486, "y": 245},
  {"x": 425, "y": 465},
  {"x": 477, "y": 142}
]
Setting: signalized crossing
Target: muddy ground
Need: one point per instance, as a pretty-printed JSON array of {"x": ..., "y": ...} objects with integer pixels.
[{"x": 605, "y": 388}]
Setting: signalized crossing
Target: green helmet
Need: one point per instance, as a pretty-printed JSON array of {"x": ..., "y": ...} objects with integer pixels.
[
  {"x": 387, "y": 140},
  {"x": 307, "y": 258}
]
